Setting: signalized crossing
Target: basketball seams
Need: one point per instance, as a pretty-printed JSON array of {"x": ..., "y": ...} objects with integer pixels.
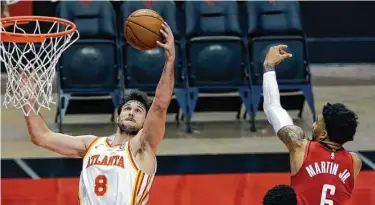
[
  {"x": 135, "y": 36},
  {"x": 142, "y": 11},
  {"x": 144, "y": 45},
  {"x": 145, "y": 28},
  {"x": 155, "y": 17}
]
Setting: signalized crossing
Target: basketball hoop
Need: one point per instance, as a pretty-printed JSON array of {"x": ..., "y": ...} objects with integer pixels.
[{"x": 30, "y": 58}]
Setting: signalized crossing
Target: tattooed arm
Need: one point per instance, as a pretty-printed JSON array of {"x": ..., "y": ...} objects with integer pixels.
[{"x": 292, "y": 136}]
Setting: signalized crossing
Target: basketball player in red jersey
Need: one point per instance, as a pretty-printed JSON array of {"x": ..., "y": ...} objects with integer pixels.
[{"x": 323, "y": 172}]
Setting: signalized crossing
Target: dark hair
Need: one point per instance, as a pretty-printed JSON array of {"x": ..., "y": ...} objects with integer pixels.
[
  {"x": 280, "y": 195},
  {"x": 135, "y": 95},
  {"x": 341, "y": 123}
]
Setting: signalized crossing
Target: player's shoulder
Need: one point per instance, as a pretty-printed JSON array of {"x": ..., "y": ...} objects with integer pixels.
[
  {"x": 293, "y": 137},
  {"x": 89, "y": 140},
  {"x": 357, "y": 163},
  {"x": 356, "y": 159}
]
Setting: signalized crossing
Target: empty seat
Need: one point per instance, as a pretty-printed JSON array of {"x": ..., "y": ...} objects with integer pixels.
[
  {"x": 266, "y": 18},
  {"x": 215, "y": 50},
  {"x": 214, "y": 44},
  {"x": 90, "y": 65}
]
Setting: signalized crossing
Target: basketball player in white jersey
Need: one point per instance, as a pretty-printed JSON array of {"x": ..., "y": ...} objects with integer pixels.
[{"x": 118, "y": 170}]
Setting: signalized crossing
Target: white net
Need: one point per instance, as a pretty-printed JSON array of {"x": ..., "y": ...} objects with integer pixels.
[{"x": 31, "y": 67}]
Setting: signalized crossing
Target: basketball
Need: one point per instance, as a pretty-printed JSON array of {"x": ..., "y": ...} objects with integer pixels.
[{"x": 142, "y": 29}]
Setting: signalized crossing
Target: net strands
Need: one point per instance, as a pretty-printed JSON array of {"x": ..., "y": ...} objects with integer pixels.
[{"x": 31, "y": 67}]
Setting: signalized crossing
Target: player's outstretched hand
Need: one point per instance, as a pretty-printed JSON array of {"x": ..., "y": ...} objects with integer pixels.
[
  {"x": 28, "y": 88},
  {"x": 277, "y": 54},
  {"x": 168, "y": 43}
]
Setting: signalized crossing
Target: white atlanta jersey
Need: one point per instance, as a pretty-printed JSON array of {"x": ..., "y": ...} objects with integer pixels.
[{"x": 110, "y": 176}]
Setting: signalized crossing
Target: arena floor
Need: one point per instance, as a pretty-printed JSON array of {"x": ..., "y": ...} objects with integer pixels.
[{"x": 353, "y": 85}]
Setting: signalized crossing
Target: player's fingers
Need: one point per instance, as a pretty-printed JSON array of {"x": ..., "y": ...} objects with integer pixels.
[
  {"x": 286, "y": 55},
  {"x": 282, "y": 51},
  {"x": 161, "y": 44},
  {"x": 164, "y": 33},
  {"x": 167, "y": 28},
  {"x": 169, "y": 32},
  {"x": 281, "y": 46},
  {"x": 164, "y": 26}
]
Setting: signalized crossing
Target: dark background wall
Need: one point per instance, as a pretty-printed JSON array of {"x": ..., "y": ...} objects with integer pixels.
[
  {"x": 338, "y": 19},
  {"x": 340, "y": 32}
]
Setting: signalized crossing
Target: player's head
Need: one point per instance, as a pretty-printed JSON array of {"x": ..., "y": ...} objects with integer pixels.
[
  {"x": 132, "y": 112},
  {"x": 336, "y": 123},
  {"x": 280, "y": 195}
]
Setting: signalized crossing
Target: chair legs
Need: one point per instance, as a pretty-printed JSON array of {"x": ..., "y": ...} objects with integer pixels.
[
  {"x": 246, "y": 98},
  {"x": 309, "y": 96},
  {"x": 63, "y": 103},
  {"x": 305, "y": 88},
  {"x": 62, "y": 107},
  {"x": 301, "y": 111},
  {"x": 116, "y": 95},
  {"x": 57, "y": 114},
  {"x": 187, "y": 99},
  {"x": 256, "y": 96}
]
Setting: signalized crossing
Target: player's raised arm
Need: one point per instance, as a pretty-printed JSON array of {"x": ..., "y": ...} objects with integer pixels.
[
  {"x": 63, "y": 144},
  {"x": 154, "y": 125},
  {"x": 292, "y": 136}
]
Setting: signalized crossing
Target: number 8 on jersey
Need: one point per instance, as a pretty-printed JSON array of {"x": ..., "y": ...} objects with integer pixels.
[{"x": 101, "y": 185}]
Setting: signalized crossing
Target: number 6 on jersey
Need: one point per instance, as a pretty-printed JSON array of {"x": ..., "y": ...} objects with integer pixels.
[
  {"x": 323, "y": 199},
  {"x": 100, "y": 185}
]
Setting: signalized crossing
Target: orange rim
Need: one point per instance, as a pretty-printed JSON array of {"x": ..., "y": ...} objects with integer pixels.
[{"x": 32, "y": 38}]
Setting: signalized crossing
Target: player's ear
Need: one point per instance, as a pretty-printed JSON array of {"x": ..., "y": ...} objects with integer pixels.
[{"x": 324, "y": 134}]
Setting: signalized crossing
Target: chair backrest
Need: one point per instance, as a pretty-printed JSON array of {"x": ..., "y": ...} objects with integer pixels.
[
  {"x": 94, "y": 19},
  {"x": 166, "y": 9},
  {"x": 209, "y": 18},
  {"x": 269, "y": 18},
  {"x": 291, "y": 70}
]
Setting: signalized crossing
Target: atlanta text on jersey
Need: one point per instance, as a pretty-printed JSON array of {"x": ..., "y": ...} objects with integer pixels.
[{"x": 106, "y": 160}]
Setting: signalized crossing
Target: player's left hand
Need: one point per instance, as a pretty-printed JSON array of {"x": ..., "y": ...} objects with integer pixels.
[
  {"x": 277, "y": 54},
  {"x": 168, "y": 44}
]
